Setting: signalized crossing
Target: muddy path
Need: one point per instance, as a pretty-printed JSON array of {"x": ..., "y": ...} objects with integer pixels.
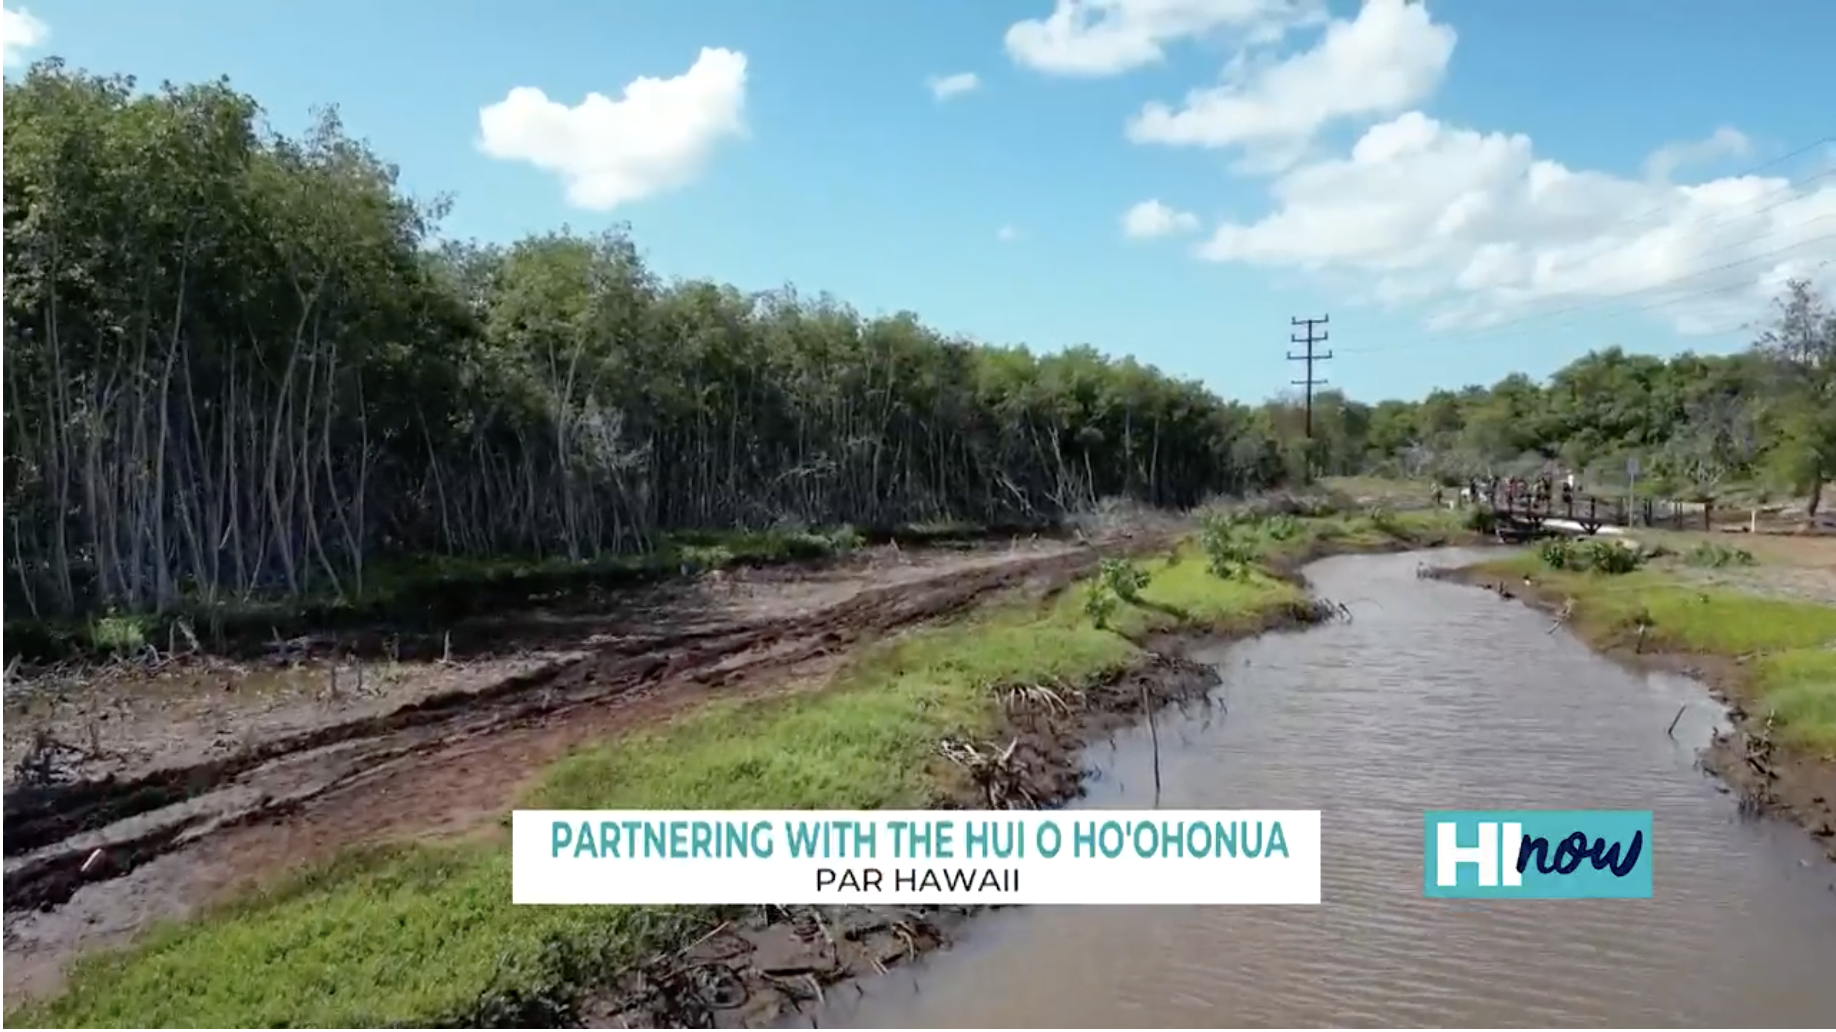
[
  {"x": 180, "y": 823},
  {"x": 161, "y": 711}
]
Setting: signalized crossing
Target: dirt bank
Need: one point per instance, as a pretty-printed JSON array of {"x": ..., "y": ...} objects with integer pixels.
[
  {"x": 765, "y": 965},
  {"x": 1792, "y": 783},
  {"x": 768, "y": 965},
  {"x": 129, "y": 718},
  {"x": 185, "y": 791}
]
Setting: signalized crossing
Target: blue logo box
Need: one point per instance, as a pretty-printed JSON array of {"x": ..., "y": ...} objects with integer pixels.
[{"x": 1536, "y": 854}]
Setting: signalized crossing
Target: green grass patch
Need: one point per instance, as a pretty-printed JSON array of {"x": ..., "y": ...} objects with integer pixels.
[
  {"x": 1281, "y": 537},
  {"x": 1799, "y": 686},
  {"x": 1792, "y": 643},
  {"x": 1182, "y": 592},
  {"x": 427, "y": 935}
]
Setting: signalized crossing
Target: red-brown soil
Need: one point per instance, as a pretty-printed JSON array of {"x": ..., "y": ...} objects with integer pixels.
[{"x": 195, "y": 781}]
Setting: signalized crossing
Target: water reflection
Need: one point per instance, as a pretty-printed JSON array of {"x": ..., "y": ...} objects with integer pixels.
[{"x": 1433, "y": 697}]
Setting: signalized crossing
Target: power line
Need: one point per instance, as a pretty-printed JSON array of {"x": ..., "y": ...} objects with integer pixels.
[
  {"x": 1610, "y": 299},
  {"x": 1308, "y": 358},
  {"x": 1744, "y": 324},
  {"x": 1788, "y": 193},
  {"x": 1663, "y": 209}
]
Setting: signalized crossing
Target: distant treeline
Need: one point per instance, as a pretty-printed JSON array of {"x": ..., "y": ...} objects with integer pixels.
[
  {"x": 242, "y": 364},
  {"x": 1695, "y": 424}
]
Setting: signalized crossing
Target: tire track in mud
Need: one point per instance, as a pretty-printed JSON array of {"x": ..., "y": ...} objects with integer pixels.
[
  {"x": 165, "y": 841},
  {"x": 39, "y": 815}
]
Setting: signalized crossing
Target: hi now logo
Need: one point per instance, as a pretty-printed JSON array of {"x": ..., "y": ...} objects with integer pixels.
[{"x": 1537, "y": 854}]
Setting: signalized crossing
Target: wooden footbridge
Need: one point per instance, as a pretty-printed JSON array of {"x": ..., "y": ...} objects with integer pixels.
[{"x": 1529, "y": 514}]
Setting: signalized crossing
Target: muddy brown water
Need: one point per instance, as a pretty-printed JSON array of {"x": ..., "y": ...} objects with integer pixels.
[{"x": 1435, "y": 696}]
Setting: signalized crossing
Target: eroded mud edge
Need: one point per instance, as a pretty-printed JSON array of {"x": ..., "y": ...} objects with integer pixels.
[{"x": 1770, "y": 779}]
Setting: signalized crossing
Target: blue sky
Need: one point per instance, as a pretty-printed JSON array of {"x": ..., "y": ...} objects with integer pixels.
[{"x": 1467, "y": 187}]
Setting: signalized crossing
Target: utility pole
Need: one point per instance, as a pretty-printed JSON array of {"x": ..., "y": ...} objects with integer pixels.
[{"x": 1307, "y": 358}]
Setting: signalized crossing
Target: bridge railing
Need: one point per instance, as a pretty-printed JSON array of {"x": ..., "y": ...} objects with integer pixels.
[{"x": 1594, "y": 510}]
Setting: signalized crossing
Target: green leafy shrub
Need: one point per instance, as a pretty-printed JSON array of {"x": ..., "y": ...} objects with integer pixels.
[
  {"x": 1123, "y": 578},
  {"x": 1118, "y": 580},
  {"x": 1611, "y": 557},
  {"x": 1558, "y": 554},
  {"x": 1595, "y": 556},
  {"x": 118, "y": 635},
  {"x": 1100, "y": 603},
  {"x": 1228, "y": 552},
  {"x": 1715, "y": 555}
]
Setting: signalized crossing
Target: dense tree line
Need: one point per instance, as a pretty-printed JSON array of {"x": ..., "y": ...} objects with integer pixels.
[
  {"x": 241, "y": 364},
  {"x": 1695, "y": 424}
]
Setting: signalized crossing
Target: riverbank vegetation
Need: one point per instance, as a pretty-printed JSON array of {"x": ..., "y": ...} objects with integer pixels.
[
  {"x": 427, "y": 934},
  {"x": 1649, "y": 598}
]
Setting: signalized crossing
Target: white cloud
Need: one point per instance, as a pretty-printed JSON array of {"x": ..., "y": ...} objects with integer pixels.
[
  {"x": 1478, "y": 225},
  {"x": 657, "y": 137},
  {"x": 943, "y": 87},
  {"x": 1391, "y": 56},
  {"x": 1108, "y": 37},
  {"x": 20, "y": 31},
  {"x": 1724, "y": 142},
  {"x": 1471, "y": 226},
  {"x": 1007, "y": 234},
  {"x": 1153, "y": 219}
]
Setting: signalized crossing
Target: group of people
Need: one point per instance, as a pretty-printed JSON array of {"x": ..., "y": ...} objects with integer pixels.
[{"x": 1513, "y": 491}]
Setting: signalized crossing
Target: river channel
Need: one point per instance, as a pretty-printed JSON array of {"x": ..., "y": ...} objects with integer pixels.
[{"x": 1434, "y": 696}]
